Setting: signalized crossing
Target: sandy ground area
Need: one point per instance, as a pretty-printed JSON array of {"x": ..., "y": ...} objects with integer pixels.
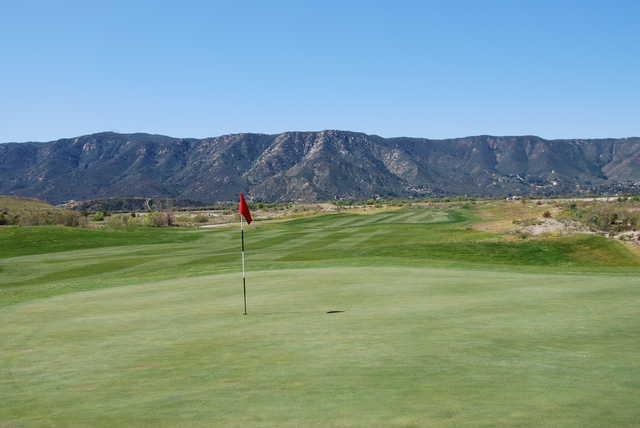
[{"x": 553, "y": 226}]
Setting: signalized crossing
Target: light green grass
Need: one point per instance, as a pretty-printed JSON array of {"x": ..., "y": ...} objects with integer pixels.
[{"x": 443, "y": 326}]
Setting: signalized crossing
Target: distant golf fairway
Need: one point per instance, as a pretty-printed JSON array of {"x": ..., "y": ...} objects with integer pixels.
[{"x": 443, "y": 325}]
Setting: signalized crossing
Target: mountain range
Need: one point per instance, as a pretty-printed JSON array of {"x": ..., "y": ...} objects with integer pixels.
[{"x": 314, "y": 166}]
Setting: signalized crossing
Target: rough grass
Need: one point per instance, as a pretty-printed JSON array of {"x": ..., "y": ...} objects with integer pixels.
[
  {"x": 606, "y": 216},
  {"x": 500, "y": 216},
  {"x": 27, "y": 211},
  {"x": 17, "y": 204},
  {"x": 443, "y": 325}
]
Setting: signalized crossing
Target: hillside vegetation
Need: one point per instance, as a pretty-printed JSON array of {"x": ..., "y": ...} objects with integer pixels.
[
  {"x": 32, "y": 212},
  {"x": 315, "y": 166},
  {"x": 621, "y": 215}
]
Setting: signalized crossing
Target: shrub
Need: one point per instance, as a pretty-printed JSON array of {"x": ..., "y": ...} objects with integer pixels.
[
  {"x": 83, "y": 221},
  {"x": 607, "y": 217},
  {"x": 98, "y": 216},
  {"x": 160, "y": 219},
  {"x": 36, "y": 218},
  {"x": 154, "y": 218},
  {"x": 546, "y": 214},
  {"x": 200, "y": 218},
  {"x": 67, "y": 218},
  {"x": 118, "y": 221}
]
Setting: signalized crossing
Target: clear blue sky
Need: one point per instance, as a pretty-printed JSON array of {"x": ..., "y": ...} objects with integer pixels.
[{"x": 415, "y": 68}]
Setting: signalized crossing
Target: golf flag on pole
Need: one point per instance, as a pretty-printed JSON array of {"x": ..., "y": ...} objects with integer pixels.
[{"x": 245, "y": 214}]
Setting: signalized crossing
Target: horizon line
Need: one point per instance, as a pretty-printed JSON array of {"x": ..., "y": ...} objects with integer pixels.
[{"x": 319, "y": 132}]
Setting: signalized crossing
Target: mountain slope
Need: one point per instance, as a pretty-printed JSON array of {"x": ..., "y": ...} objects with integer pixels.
[{"x": 314, "y": 166}]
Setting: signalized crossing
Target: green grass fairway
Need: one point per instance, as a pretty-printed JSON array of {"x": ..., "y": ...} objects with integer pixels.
[{"x": 443, "y": 325}]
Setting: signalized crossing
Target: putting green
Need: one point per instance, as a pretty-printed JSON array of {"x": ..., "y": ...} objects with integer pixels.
[{"x": 505, "y": 343}]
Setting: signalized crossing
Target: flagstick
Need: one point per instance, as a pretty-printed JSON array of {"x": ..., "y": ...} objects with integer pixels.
[{"x": 244, "y": 283}]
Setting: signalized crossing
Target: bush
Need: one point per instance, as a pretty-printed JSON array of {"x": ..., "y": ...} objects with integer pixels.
[
  {"x": 118, "y": 221},
  {"x": 31, "y": 218},
  {"x": 68, "y": 218},
  {"x": 546, "y": 214},
  {"x": 170, "y": 218},
  {"x": 200, "y": 219},
  {"x": 98, "y": 216},
  {"x": 160, "y": 219},
  {"x": 607, "y": 217},
  {"x": 83, "y": 221}
]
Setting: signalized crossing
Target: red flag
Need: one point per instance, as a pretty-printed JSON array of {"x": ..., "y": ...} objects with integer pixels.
[{"x": 243, "y": 209}]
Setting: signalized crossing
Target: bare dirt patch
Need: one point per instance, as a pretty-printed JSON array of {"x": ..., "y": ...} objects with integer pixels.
[{"x": 546, "y": 226}]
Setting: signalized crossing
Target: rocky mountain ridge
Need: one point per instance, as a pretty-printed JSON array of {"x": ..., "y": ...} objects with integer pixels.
[{"x": 315, "y": 166}]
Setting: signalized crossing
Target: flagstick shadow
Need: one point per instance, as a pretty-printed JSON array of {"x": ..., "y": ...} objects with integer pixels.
[{"x": 310, "y": 312}]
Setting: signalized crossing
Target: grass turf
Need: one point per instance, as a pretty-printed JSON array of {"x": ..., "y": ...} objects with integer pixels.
[{"x": 498, "y": 334}]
